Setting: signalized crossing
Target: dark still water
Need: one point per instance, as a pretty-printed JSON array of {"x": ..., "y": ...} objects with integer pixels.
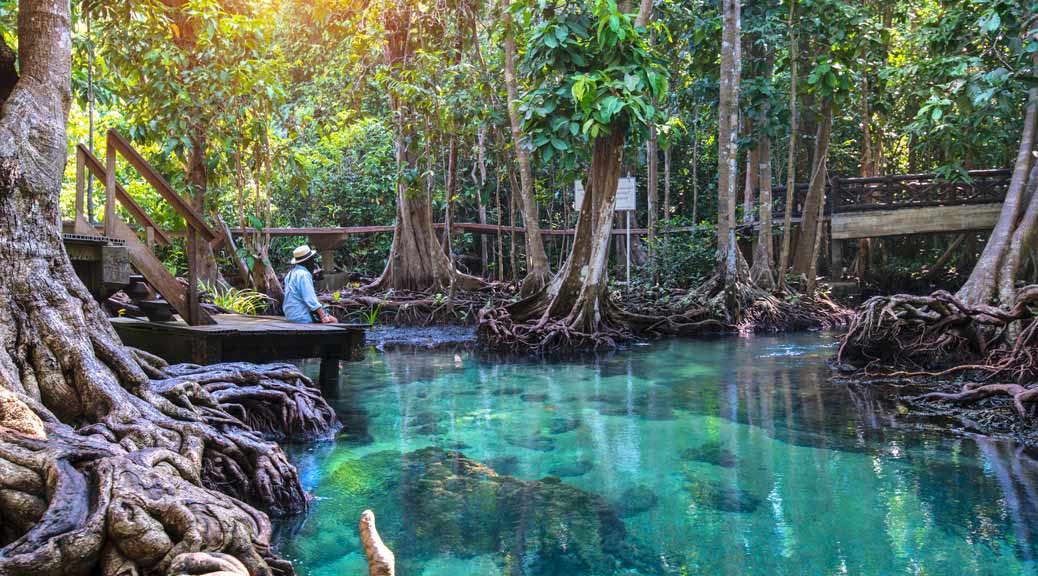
[{"x": 733, "y": 456}]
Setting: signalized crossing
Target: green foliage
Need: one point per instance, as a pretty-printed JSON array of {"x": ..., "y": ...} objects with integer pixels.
[
  {"x": 240, "y": 300},
  {"x": 591, "y": 70},
  {"x": 684, "y": 258}
]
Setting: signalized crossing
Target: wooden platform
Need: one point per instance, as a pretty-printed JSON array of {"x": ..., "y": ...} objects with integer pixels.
[
  {"x": 236, "y": 338},
  {"x": 915, "y": 220}
]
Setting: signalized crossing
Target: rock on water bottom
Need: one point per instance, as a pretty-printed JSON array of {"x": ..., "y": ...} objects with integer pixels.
[{"x": 434, "y": 503}]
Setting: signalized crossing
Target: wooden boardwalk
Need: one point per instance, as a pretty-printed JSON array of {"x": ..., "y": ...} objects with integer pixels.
[{"x": 236, "y": 338}]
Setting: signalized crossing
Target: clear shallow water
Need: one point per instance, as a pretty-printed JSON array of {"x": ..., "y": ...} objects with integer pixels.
[{"x": 733, "y": 456}]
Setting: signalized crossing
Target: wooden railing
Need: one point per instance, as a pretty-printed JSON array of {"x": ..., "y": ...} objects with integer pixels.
[
  {"x": 900, "y": 191},
  {"x": 183, "y": 300}
]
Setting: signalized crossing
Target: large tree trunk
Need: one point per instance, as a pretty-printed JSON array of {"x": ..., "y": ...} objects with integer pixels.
[
  {"x": 537, "y": 270},
  {"x": 416, "y": 261},
  {"x": 791, "y": 153},
  {"x": 762, "y": 271},
  {"x": 728, "y": 123},
  {"x": 652, "y": 190},
  {"x": 198, "y": 181},
  {"x": 576, "y": 301},
  {"x": 994, "y": 276},
  {"x": 732, "y": 269},
  {"x": 808, "y": 239},
  {"x": 102, "y": 469}
]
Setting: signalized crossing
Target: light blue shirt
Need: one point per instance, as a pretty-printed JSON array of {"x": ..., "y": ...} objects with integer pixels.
[{"x": 300, "y": 297}]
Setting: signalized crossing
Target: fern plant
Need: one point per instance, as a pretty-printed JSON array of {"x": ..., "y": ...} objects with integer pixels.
[{"x": 242, "y": 301}]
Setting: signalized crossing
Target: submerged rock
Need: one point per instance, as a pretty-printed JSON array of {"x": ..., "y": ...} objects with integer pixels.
[
  {"x": 434, "y": 503},
  {"x": 537, "y": 442},
  {"x": 711, "y": 453},
  {"x": 575, "y": 468},
  {"x": 721, "y": 497},
  {"x": 636, "y": 500},
  {"x": 562, "y": 425},
  {"x": 504, "y": 465}
]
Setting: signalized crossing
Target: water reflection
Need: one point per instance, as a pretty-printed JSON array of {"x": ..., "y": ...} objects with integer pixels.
[{"x": 734, "y": 456}]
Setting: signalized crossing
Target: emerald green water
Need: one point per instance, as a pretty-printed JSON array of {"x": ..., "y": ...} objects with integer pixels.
[{"x": 734, "y": 456}]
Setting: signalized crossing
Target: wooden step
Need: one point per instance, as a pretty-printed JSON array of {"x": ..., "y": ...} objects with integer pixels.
[{"x": 156, "y": 274}]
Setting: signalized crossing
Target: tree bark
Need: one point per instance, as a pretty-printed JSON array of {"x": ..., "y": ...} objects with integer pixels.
[
  {"x": 728, "y": 123},
  {"x": 416, "y": 261},
  {"x": 762, "y": 271},
  {"x": 666, "y": 183},
  {"x": 104, "y": 470},
  {"x": 993, "y": 277},
  {"x": 791, "y": 156},
  {"x": 752, "y": 175},
  {"x": 537, "y": 270},
  {"x": 811, "y": 220},
  {"x": 652, "y": 190}
]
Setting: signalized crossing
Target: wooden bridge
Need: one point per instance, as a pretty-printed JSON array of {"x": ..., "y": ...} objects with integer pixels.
[
  {"x": 903, "y": 205},
  {"x": 875, "y": 207},
  {"x": 199, "y": 337},
  {"x": 907, "y": 204},
  {"x": 882, "y": 206},
  {"x": 183, "y": 299}
]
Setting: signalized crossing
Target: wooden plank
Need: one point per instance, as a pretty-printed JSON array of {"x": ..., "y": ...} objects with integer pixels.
[
  {"x": 80, "y": 183},
  {"x": 182, "y": 207},
  {"x": 110, "y": 193},
  {"x": 906, "y": 221},
  {"x": 154, "y": 272},
  {"x": 94, "y": 165}
]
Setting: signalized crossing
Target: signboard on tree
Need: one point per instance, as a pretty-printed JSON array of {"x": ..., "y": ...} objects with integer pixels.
[{"x": 626, "y": 197}]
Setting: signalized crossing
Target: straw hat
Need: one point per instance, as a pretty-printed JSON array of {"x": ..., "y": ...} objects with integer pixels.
[{"x": 302, "y": 254}]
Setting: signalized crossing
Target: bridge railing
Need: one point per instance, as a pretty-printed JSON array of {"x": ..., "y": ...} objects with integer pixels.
[
  {"x": 183, "y": 300},
  {"x": 885, "y": 192}
]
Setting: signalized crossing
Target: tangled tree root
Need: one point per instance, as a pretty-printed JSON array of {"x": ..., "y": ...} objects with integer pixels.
[
  {"x": 403, "y": 308},
  {"x": 499, "y": 332},
  {"x": 165, "y": 494},
  {"x": 276, "y": 400},
  {"x": 939, "y": 335},
  {"x": 764, "y": 312},
  {"x": 975, "y": 391}
]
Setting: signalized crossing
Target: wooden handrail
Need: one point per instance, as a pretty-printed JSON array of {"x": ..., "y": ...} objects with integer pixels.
[
  {"x": 90, "y": 162},
  {"x": 188, "y": 212}
]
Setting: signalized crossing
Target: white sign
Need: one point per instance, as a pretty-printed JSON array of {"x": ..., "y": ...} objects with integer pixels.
[{"x": 626, "y": 197}]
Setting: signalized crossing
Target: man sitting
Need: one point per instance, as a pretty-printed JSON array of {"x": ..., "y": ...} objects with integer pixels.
[{"x": 301, "y": 304}]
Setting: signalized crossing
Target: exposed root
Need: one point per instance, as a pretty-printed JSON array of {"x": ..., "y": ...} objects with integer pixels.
[
  {"x": 939, "y": 335},
  {"x": 275, "y": 399},
  {"x": 381, "y": 561},
  {"x": 975, "y": 391},
  {"x": 613, "y": 326},
  {"x": 403, "y": 308}
]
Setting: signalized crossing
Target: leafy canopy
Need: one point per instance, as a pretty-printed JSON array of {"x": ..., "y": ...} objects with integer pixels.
[{"x": 590, "y": 70}]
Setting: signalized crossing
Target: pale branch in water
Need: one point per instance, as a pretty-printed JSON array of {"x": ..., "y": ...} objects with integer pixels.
[{"x": 381, "y": 561}]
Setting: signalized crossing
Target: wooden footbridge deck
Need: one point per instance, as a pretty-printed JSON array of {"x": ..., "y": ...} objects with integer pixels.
[{"x": 237, "y": 338}]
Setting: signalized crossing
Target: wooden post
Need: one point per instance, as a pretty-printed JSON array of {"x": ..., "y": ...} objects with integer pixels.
[
  {"x": 193, "y": 313},
  {"x": 836, "y": 259},
  {"x": 328, "y": 379},
  {"x": 80, "y": 183},
  {"x": 110, "y": 183}
]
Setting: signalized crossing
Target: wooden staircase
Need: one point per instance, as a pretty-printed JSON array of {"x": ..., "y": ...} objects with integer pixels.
[{"x": 183, "y": 299}]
